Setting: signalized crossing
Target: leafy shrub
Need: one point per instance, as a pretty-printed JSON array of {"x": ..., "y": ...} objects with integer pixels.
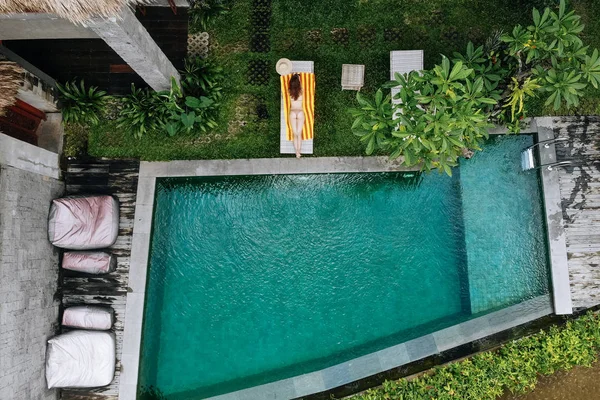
[
  {"x": 191, "y": 107},
  {"x": 202, "y": 78},
  {"x": 202, "y": 12},
  {"x": 444, "y": 111},
  {"x": 143, "y": 110},
  {"x": 514, "y": 367},
  {"x": 80, "y": 105},
  {"x": 75, "y": 140}
]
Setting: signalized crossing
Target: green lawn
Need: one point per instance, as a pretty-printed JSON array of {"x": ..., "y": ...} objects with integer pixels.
[{"x": 331, "y": 33}]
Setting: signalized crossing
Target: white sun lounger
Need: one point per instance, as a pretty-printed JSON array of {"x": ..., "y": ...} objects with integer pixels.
[
  {"x": 404, "y": 61},
  {"x": 286, "y": 146}
]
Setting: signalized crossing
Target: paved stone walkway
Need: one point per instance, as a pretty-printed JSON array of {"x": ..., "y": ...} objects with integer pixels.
[{"x": 28, "y": 276}]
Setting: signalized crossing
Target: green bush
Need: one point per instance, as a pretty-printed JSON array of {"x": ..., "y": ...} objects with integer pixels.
[
  {"x": 515, "y": 367},
  {"x": 446, "y": 111},
  {"x": 80, "y": 105},
  {"x": 202, "y": 12},
  {"x": 143, "y": 110},
  {"x": 191, "y": 107}
]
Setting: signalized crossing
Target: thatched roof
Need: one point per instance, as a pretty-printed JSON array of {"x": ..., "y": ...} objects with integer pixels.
[
  {"x": 11, "y": 78},
  {"x": 73, "y": 10}
]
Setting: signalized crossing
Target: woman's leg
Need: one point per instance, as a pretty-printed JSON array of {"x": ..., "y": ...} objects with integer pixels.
[
  {"x": 298, "y": 135},
  {"x": 294, "y": 116}
]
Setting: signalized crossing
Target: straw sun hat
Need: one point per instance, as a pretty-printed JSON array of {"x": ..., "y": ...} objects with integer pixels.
[{"x": 284, "y": 66}]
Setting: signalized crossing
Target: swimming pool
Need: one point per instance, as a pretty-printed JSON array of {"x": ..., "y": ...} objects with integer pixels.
[{"x": 258, "y": 278}]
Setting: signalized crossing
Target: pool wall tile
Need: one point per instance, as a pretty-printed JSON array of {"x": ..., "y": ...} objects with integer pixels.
[
  {"x": 134, "y": 309},
  {"x": 364, "y": 366},
  {"x": 293, "y": 165},
  {"x": 138, "y": 264},
  {"x": 346, "y": 164},
  {"x": 448, "y": 338},
  {"x": 228, "y": 396},
  {"x": 475, "y": 329},
  {"x": 145, "y": 191},
  {"x": 520, "y": 313},
  {"x": 336, "y": 375},
  {"x": 129, "y": 369},
  {"x": 421, "y": 347},
  {"x": 309, "y": 383},
  {"x": 224, "y": 167},
  {"x": 182, "y": 168},
  {"x": 127, "y": 391},
  {"x": 267, "y": 167},
  {"x": 153, "y": 169},
  {"x": 316, "y": 165},
  {"x": 280, "y": 390},
  {"x": 462, "y": 333},
  {"x": 131, "y": 341},
  {"x": 143, "y": 218},
  {"x": 393, "y": 356}
]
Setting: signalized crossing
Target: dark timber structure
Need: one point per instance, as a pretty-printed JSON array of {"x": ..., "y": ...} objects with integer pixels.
[
  {"x": 94, "y": 61},
  {"x": 117, "y": 178}
]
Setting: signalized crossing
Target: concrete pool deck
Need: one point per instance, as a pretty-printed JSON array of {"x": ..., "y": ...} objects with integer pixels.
[{"x": 328, "y": 378}]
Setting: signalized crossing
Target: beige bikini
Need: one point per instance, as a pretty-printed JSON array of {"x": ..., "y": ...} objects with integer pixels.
[{"x": 296, "y": 105}]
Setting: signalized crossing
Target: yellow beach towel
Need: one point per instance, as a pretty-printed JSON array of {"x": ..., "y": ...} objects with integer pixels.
[{"x": 307, "y": 81}]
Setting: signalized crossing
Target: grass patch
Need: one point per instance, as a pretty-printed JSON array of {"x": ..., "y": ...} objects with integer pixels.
[{"x": 330, "y": 33}]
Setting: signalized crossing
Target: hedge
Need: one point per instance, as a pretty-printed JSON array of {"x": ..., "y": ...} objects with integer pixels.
[{"x": 515, "y": 366}]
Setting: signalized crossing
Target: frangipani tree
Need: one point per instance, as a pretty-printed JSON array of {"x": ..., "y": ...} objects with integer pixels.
[{"x": 443, "y": 112}]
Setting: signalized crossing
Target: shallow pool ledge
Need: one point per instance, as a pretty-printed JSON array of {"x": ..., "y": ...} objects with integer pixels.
[
  {"x": 561, "y": 288},
  {"x": 396, "y": 356}
]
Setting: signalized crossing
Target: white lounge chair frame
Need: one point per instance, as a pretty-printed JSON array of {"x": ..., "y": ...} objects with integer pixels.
[
  {"x": 404, "y": 61},
  {"x": 286, "y": 146}
]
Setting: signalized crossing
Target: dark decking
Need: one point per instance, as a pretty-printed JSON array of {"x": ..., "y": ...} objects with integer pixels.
[
  {"x": 91, "y": 59},
  {"x": 118, "y": 178},
  {"x": 580, "y": 198}
]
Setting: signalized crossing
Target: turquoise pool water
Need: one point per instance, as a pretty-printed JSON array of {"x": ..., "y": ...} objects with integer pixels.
[{"x": 256, "y": 279}]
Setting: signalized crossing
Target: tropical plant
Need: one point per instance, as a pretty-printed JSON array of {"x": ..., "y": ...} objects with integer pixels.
[
  {"x": 191, "y": 106},
  {"x": 436, "y": 117},
  {"x": 373, "y": 120},
  {"x": 440, "y": 113},
  {"x": 81, "y": 105},
  {"x": 518, "y": 91},
  {"x": 515, "y": 367},
  {"x": 143, "y": 110},
  {"x": 202, "y": 78},
  {"x": 202, "y": 12}
]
